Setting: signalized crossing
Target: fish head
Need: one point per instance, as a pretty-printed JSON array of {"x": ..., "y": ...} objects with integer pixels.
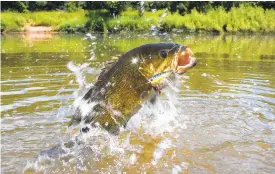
[{"x": 162, "y": 57}]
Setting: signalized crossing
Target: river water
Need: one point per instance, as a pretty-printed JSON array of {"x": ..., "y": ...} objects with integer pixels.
[{"x": 219, "y": 119}]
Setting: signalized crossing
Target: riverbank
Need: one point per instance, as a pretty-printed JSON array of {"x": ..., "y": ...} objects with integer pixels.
[
  {"x": 56, "y": 20},
  {"x": 242, "y": 19}
]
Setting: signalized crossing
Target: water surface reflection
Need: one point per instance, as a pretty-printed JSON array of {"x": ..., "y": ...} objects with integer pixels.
[{"x": 225, "y": 106}]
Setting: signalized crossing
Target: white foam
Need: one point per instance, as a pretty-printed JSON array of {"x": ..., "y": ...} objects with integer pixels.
[
  {"x": 162, "y": 116},
  {"x": 158, "y": 153},
  {"x": 84, "y": 106}
]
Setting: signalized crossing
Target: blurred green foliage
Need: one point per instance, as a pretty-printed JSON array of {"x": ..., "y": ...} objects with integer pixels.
[
  {"x": 117, "y": 16},
  {"x": 245, "y": 18},
  {"x": 59, "y": 20},
  {"x": 116, "y": 7}
]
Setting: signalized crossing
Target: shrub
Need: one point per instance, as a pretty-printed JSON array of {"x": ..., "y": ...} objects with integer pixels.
[{"x": 71, "y": 6}]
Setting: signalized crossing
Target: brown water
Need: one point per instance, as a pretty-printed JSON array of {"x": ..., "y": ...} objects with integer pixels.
[{"x": 222, "y": 119}]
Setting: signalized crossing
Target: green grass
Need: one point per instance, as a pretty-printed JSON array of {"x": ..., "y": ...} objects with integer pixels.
[
  {"x": 131, "y": 21},
  {"x": 242, "y": 19},
  {"x": 13, "y": 21}
]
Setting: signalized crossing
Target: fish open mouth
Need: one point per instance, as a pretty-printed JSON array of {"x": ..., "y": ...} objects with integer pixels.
[{"x": 185, "y": 61}]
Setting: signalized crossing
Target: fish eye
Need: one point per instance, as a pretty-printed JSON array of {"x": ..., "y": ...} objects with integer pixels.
[{"x": 163, "y": 54}]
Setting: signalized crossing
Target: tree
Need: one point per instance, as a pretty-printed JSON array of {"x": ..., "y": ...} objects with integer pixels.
[
  {"x": 115, "y": 7},
  {"x": 15, "y": 6},
  {"x": 71, "y": 6}
]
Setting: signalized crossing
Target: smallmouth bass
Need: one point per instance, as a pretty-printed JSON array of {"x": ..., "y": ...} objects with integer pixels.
[{"x": 122, "y": 89}]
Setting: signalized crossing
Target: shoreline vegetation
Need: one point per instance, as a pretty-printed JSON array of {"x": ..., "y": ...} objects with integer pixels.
[{"x": 244, "y": 19}]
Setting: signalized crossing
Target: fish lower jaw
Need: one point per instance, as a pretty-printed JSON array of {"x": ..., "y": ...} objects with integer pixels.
[{"x": 183, "y": 69}]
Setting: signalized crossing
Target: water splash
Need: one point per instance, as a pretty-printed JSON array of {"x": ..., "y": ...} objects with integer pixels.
[
  {"x": 92, "y": 148},
  {"x": 154, "y": 30},
  {"x": 141, "y": 9},
  {"x": 158, "y": 153},
  {"x": 79, "y": 72},
  {"x": 153, "y": 120},
  {"x": 91, "y": 37}
]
